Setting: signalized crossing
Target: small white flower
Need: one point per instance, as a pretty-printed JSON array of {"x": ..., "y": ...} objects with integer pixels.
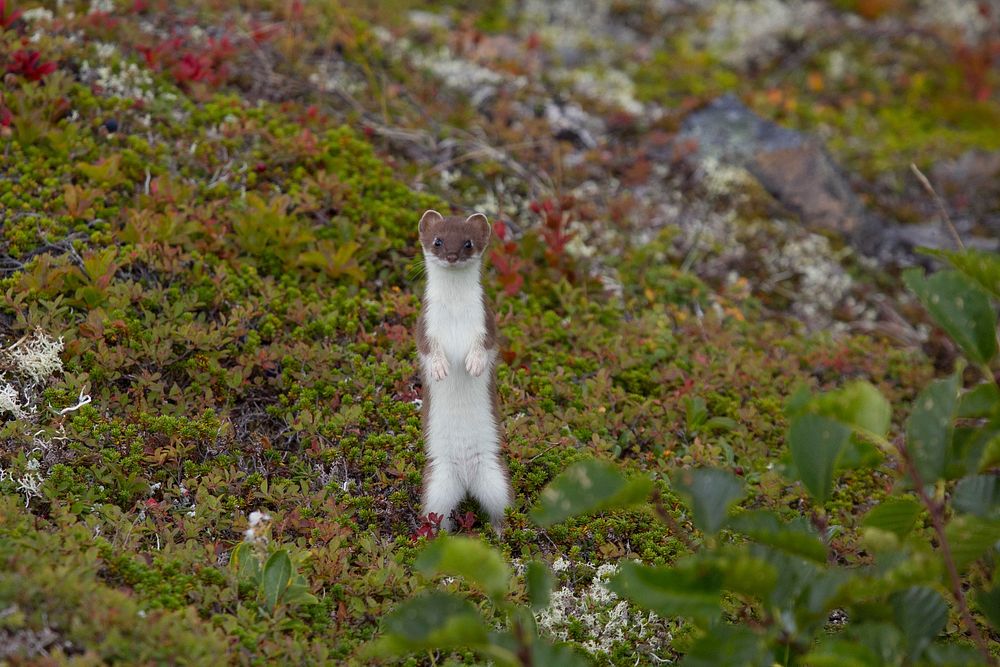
[
  {"x": 258, "y": 517},
  {"x": 257, "y": 524}
]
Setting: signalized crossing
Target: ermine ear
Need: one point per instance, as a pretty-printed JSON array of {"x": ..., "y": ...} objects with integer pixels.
[
  {"x": 482, "y": 224},
  {"x": 430, "y": 216}
]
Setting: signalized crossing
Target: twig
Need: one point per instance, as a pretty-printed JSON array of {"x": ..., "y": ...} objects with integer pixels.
[
  {"x": 83, "y": 400},
  {"x": 936, "y": 512},
  {"x": 661, "y": 511},
  {"x": 940, "y": 204},
  {"x": 523, "y": 648}
]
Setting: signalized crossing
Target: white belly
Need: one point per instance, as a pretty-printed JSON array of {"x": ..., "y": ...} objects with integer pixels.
[{"x": 460, "y": 419}]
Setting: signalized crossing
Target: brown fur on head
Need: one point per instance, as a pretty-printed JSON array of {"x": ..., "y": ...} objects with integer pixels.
[{"x": 454, "y": 240}]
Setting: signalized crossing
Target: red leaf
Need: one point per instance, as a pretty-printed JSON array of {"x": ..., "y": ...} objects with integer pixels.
[
  {"x": 29, "y": 65},
  {"x": 7, "y": 20}
]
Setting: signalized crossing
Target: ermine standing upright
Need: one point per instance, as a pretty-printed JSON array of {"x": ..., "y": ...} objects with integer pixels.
[{"x": 456, "y": 342}]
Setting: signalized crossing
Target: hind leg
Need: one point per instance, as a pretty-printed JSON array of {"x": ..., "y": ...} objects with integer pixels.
[
  {"x": 491, "y": 488},
  {"x": 443, "y": 490}
]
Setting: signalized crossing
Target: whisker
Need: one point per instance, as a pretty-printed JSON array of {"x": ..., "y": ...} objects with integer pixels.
[{"x": 416, "y": 268}]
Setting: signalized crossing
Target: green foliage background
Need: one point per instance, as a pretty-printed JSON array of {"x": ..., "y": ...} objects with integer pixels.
[{"x": 232, "y": 279}]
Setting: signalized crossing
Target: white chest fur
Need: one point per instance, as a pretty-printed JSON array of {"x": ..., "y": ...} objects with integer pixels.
[{"x": 453, "y": 310}]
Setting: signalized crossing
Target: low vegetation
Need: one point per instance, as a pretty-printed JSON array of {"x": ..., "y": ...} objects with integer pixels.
[{"x": 210, "y": 444}]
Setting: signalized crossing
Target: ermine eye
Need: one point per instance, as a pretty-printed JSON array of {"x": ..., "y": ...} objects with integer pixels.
[
  {"x": 438, "y": 243},
  {"x": 468, "y": 244}
]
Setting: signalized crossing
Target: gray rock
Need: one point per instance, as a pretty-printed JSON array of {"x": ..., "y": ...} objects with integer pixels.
[
  {"x": 793, "y": 167},
  {"x": 898, "y": 243},
  {"x": 971, "y": 185},
  {"x": 571, "y": 123}
]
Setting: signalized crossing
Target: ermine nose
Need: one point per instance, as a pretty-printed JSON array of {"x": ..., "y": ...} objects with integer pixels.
[{"x": 452, "y": 257}]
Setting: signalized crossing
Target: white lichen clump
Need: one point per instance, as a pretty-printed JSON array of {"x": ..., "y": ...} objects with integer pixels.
[
  {"x": 37, "y": 14},
  {"x": 721, "y": 179},
  {"x": 606, "y": 619},
  {"x": 462, "y": 75},
  {"x": 37, "y": 356},
  {"x": 756, "y": 30},
  {"x": 961, "y": 16},
  {"x": 31, "y": 483},
  {"x": 11, "y": 402},
  {"x": 610, "y": 87},
  {"x": 823, "y": 284},
  {"x": 101, "y": 7},
  {"x": 127, "y": 81},
  {"x": 332, "y": 77}
]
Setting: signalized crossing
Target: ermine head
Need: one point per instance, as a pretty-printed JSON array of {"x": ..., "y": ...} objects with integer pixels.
[{"x": 454, "y": 242}]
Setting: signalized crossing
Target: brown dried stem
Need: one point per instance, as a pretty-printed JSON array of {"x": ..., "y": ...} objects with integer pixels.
[
  {"x": 935, "y": 510},
  {"x": 664, "y": 515},
  {"x": 940, "y": 204}
]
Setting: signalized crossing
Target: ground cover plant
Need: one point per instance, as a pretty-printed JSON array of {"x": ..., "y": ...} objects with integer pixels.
[
  {"x": 782, "y": 581},
  {"x": 210, "y": 446}
]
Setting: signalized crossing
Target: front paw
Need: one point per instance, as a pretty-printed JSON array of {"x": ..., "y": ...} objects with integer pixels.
[
  {"x": 439, "y": 367},
  {"x": 476, "y": 361}
]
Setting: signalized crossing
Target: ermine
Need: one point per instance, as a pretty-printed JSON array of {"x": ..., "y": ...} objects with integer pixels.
[{"x": 457, "y": 344}]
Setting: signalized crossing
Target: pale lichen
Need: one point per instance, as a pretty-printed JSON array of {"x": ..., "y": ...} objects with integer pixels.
[
  {"x": 36, "y": 356},
  {"x": 606, "y": 620}
]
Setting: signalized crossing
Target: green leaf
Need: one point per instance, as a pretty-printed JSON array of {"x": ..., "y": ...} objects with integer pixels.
[
  {"x": 929, "y": 428},
  {"x": 921, "y": 613},
  {"x": 978, "y": 494},
  {"x": 824, "y": 587},
  {"x": 980, "y": 265},
  {"x": 990, "y": 457},
  {"x": 842, "y": 653},
  {"x": 816, "y": 443},
  {"x": 466, "y": 557},
  {"x": 746, "y": 574},
  {"x": 952, "y": 655},
  {"x": 692, "y": 591},
  {"x": 983, "y": 400},
  {"x": 557, "y": 655},
  {"x": 298, "y": 592},
  {"x": 970, "y": 537},
  {"x": 505, "y": 649},
  {"x": 881, "y": 638},
  {"x": 435, "y": 620},
  {"x": 587, "y": 487},
  {"x": 244, "y": 562},
  {"x": 728, "y": 645},
  {"x": 960, "y": 307},
  {"x": 277, "y": 573},
  {"x": 857, "y": 404},
  {"x": 988, "y": 604},
  {"x": 765, "y": 528},
  {"x": 895, "y": 515},
  {"x": 695, "y": 412},
  {"x": 540, "y": 581},
  {"x": 720, "y": 425},
  {"x": 710, "y": 492}
]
